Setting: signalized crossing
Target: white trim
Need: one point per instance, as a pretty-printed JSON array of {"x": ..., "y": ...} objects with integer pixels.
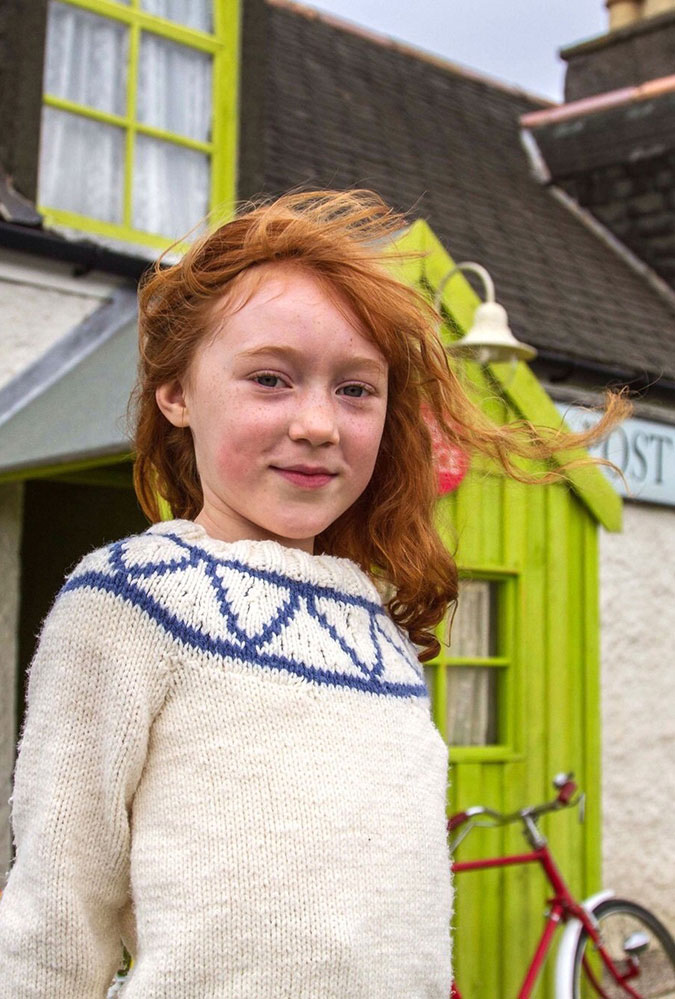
[{"x": 24, "y": 269}]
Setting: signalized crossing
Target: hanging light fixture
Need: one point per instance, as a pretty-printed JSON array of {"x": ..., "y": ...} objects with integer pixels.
[{"x": 489, "y": 338}]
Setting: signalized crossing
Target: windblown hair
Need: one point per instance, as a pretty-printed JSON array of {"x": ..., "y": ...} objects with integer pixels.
[{"x": 343, "y": 238}]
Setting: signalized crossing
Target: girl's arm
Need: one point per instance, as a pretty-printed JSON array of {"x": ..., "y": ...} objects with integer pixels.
[{"x": 95, "y": 685}]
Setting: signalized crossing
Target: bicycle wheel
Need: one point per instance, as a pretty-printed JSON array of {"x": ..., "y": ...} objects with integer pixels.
[{"x": 640, "y": 947}]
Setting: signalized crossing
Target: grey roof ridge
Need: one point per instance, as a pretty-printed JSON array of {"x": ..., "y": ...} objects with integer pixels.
[
  {"x": 386, "y": 41},
  {"x": 600, "y": 102},
  {"x": 543, "y": 176},
  {"x": 59, "y": 359}
]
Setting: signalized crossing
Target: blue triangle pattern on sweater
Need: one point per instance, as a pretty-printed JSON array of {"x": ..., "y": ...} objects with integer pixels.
[{"x": 255, "y": 610}]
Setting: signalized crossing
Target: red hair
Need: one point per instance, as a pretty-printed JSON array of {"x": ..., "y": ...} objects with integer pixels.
[{"x": 342, "y": 239}]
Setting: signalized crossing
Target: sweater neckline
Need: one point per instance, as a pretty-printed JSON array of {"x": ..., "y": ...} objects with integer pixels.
[{"x": 272, "y": 557}]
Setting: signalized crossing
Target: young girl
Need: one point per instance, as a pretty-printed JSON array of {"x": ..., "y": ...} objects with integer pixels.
[{"x": 228, "y": 760}]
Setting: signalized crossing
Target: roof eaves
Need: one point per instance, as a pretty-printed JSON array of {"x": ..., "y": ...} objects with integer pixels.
[
  {"x": 22, "y": 229},
  {"x": 87, "y": 255}
]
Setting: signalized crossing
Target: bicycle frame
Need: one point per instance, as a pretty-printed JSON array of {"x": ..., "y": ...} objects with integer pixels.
[{"x": 562, "y": 908}]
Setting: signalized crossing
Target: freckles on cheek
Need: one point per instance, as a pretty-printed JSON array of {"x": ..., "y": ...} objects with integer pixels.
[
  {"x": 233, "y": 461},
  {"x": 241, "y": 450},
  {"x": 368, "y": 443}
]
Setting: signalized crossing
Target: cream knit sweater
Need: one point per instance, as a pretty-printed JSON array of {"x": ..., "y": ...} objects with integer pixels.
[{"x": 228, "y": 762}]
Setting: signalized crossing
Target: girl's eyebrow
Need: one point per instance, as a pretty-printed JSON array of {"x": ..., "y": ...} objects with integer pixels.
[{"x": 292, "y": 354}]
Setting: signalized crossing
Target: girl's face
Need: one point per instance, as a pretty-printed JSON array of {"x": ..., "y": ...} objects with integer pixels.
[{"x": 286, "y": 404}]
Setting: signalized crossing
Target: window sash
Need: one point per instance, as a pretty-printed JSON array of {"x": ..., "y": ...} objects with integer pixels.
[
  {"x": 221, "y": 47},
  {"x": 479, "y": 669}
]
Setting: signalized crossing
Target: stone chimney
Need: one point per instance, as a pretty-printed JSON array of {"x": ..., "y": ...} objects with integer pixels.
[{"x": 639, "y": 47}]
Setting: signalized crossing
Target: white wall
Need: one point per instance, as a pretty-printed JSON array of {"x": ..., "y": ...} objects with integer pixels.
[
  {"x": 39, "y": 303},
  {"x": 637, "y": 587},
  {"x": 10, "y": 540}
]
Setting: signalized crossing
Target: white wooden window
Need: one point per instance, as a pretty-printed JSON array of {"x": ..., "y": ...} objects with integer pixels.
[{"x": 467, "y": 681}]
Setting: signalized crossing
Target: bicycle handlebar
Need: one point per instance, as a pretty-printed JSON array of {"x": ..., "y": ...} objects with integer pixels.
[{"x": 565, "y": 798}]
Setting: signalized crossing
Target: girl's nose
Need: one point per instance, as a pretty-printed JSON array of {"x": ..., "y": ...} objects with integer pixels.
[{"x": 315, "y": 421}]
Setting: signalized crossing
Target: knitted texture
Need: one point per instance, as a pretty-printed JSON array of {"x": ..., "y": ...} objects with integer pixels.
[{"x": 229, "y": 762}]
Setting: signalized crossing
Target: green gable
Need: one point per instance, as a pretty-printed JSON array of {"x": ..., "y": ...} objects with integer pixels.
[{"x": 521, "y": 390}]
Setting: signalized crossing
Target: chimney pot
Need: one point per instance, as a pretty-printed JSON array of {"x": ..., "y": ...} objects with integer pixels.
[
  {"x": 653, "y": 7},
  {"x": 623, "y": 12}
]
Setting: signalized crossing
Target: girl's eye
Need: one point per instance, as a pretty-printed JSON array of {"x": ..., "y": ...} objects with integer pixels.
[
  {"x": 355, "y": 391},
  {"x": 267, "y": 379}
]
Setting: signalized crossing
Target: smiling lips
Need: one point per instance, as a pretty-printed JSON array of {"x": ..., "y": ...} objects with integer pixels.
[{"x": 306, "y": 476}]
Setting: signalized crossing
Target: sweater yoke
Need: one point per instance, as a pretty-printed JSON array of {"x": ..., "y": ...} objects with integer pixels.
[{"x": 258, "y": 604}]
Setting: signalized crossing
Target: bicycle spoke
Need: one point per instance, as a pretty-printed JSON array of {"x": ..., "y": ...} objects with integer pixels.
[{"x": 640, "y": 951}]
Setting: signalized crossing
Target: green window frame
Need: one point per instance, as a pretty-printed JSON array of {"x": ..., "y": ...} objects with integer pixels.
[
  {"x": 222, "y": 45},
  {"x": 500, "y": 661}
]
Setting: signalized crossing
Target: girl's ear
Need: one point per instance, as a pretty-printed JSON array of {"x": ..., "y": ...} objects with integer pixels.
[{"x": 171, "y": 401}]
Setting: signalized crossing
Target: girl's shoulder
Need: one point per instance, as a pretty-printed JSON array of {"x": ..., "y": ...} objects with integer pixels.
[
  {"x": 132, "y": 555},
  {"x": 147, "y": 570}
]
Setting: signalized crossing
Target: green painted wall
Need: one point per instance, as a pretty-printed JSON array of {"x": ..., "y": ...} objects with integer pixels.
[{"x": 540, "y": 543}]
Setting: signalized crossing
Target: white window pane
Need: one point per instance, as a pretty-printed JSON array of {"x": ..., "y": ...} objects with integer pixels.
[
  {"x": 193, "y": 13},
  {"x": 171, "y": 187},
  {"x": 174, "y": 88},
  {"x": 81, "y": 165},
  {"x": 471, "y": 708},
  {"x": 474, "y": 631},
  {"x": 86, "y": 60}
]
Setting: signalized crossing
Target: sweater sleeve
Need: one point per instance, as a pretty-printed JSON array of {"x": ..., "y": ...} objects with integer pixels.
[{"x": 97, "y": 681}]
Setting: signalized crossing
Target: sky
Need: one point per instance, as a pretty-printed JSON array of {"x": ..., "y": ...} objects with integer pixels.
[{"x": 515, "y": 41}]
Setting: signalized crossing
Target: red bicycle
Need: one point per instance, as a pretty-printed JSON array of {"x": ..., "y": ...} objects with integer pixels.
[{"x": 611, "y": 948}]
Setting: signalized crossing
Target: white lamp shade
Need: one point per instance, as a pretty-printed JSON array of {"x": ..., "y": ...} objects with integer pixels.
[{"x": 490, "y": 338}]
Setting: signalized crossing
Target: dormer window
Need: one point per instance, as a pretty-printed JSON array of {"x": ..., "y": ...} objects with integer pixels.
[{"x": 137, "y": 139}]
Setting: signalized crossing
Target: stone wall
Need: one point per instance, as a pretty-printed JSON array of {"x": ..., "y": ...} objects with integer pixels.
[
  {"x": 644, "y": 50},
  {"x": 637, "y": 585},
  {"x": 636, "y": 201}
]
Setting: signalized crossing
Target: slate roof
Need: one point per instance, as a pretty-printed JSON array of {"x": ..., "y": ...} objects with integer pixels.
[
  {"x": 325, "y": 104},
  {"x": 616, "y": 156},
  {"x": 626, "y": 127}
]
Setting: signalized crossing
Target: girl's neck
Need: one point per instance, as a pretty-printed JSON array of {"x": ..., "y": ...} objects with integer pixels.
[{"x": 223, "y": 528}]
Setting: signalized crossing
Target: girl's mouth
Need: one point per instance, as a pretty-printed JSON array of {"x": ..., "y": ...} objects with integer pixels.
[{"x": 306, "y": 477}]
